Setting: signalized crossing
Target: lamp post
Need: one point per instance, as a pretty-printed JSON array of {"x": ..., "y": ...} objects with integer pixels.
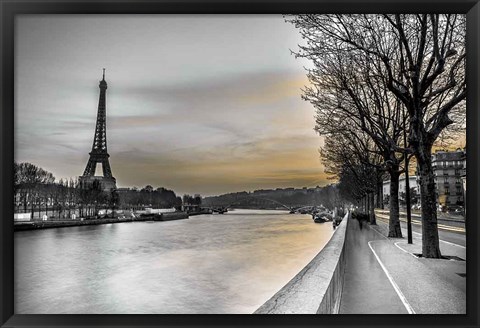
[{"x": 407, "y": 183}]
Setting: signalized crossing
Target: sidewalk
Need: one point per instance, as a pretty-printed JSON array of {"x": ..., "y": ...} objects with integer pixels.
[
  {"x": 366, "y": 288},
  {"x": 383, "y": 275}
]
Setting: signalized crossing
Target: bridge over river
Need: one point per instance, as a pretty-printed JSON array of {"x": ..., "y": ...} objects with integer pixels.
[{"x": 259, "y": 201}]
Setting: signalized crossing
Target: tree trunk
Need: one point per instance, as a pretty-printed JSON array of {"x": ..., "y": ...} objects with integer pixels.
[
  {"x": 373, "y": 221},
  {"x": 394, "y": 229},
  {"x": 24, "y": 202},
  {"x": 430, "y": 240},
  {"x": 32, "y": 207},
  {"x": 380, "y": 193},
  {"x": 367, "y": 205},
  {"x": 382, "y": 205}
]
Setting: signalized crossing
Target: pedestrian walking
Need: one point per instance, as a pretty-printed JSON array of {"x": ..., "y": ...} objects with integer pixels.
[{"x": 361, "y": 217}]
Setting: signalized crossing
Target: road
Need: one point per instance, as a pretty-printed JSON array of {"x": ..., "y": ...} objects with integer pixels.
[{"x": 446, "y": 230}]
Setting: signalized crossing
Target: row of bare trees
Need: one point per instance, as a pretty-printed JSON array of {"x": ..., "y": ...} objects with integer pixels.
[
  {"x": 31, "y": 183},
  {"x": 36, "y": 191},
  {"x": 385, "y": 88}
]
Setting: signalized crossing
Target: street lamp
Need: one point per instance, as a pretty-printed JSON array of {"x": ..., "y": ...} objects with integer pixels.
[{"x": 407, "y": 183}]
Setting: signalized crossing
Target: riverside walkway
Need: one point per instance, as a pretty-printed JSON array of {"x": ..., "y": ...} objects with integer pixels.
[{"x": 384, "y": 276}]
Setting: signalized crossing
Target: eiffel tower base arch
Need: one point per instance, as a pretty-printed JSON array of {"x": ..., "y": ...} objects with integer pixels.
[{"x": 107, "y": 183}]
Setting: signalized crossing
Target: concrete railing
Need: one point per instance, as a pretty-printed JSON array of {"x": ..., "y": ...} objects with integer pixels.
[{"x": 318, "y": 287}]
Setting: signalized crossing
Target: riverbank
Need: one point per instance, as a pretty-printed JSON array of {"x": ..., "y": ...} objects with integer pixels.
[
  {"x": 34, "y": 225},
  {"x": 317, "y": 288}
]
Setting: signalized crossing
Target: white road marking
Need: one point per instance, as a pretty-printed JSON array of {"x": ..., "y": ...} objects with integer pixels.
[
  {"x": 440, "y": 226},
  {"x": 402, "y": 297},
  {"x": 395, "y": 286},
  {"x": 443, "y": 241},
  {"x": 396, "y": 244},
  {"x": 417, "y": 233}
]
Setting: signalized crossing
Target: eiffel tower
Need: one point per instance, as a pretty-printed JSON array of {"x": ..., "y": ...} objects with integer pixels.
[{"x": 99, "y": 152}]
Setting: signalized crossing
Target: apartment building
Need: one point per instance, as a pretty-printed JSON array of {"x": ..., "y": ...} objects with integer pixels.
[{"x": 450, "y": 176}]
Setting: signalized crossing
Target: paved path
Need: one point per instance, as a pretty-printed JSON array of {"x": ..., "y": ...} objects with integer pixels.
[
  {"x": 382, "y": 275},
  {"x": 366, "y": 288},
  {"x": 452, "y": 244}
]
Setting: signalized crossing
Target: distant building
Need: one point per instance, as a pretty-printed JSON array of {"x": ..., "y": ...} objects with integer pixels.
[
  {"x": 450, "y": 176},
  {"x": 263, "y": 192},
  {"x": 449, "y": 168},
  {"x": 401, "y": 186},
  {"x": 289, "y": 191}
]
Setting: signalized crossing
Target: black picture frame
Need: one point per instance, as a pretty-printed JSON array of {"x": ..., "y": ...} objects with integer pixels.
[{"x": 11, "y": 8}]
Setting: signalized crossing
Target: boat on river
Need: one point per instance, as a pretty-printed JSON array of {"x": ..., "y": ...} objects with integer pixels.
[
  {"x": 319, "y": 219},
  {"x": 322, "y": 217},
  {"x": 219, "y": 210}
]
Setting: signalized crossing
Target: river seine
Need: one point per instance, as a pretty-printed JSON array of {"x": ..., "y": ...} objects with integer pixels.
[{"x": 230, "y": 263}]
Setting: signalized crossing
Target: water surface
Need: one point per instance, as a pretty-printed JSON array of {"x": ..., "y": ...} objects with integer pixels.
[{"x": 229, "y": 263}]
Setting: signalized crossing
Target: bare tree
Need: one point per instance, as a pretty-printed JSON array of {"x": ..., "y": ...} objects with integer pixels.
[
  {"x": 354, "y": 155},
  {"x": 421, "y": 61},
  {"x": 113, "y": 201},
  {"x": 349, "y": 98},
  {"x": 30, "y": 180}
]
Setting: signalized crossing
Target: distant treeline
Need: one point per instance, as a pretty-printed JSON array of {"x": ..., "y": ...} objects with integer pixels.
[
  {"x": 327, "y": 196},
  {"x": 36, "y": 191},
  {"x": 148, "y": 197}
]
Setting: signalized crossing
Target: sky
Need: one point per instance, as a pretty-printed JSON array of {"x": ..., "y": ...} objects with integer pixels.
[{"x": 204, "y": 104}]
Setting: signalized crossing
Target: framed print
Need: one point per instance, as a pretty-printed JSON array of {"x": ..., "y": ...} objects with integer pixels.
[{"x": 239, "y": 164}]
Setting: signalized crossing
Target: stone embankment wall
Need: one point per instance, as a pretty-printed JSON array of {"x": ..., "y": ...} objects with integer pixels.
[{"x": 318, "y": 287}]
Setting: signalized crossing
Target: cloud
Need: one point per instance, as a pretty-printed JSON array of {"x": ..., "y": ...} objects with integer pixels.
[
  {"x": 202, "y": 112},
  {"x": 244, "y": 166},
  {"x": 201, "y": 143}
]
